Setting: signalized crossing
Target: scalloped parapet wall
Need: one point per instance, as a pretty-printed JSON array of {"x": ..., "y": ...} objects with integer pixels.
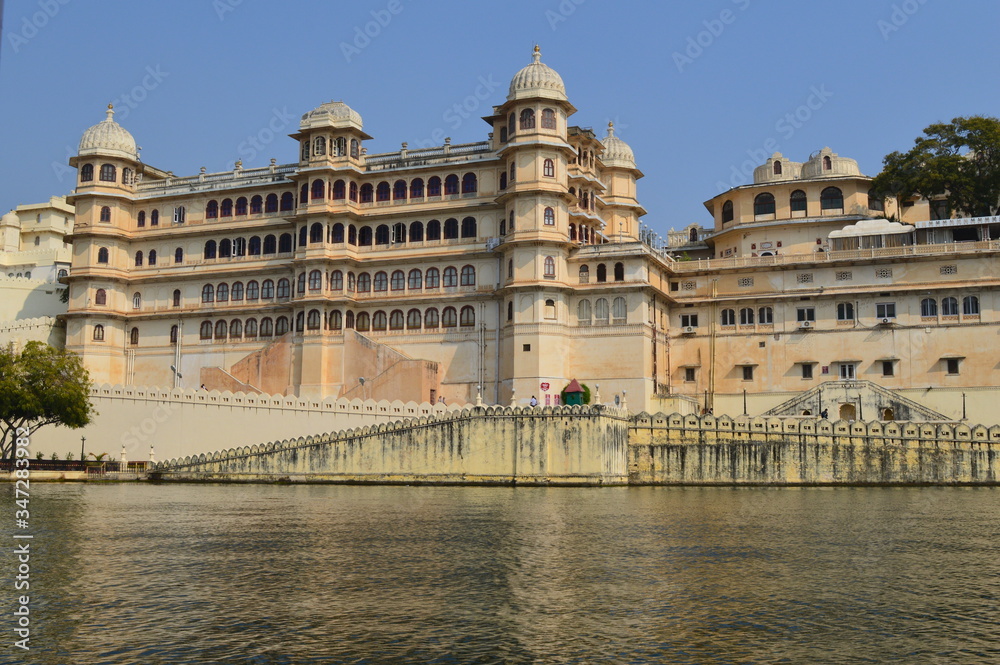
[{"x": 27, "y": 324}]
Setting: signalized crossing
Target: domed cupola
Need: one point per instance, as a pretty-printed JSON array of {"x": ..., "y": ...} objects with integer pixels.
[
  {"x": 331, "y": 114},
  {"x": 109, "y": 139},
  {"x": 537, "y": 80},
  {"x": 617, "y": 153},
  {"x": 777, "y": 169},
  {"x": 827, "y": 164}
]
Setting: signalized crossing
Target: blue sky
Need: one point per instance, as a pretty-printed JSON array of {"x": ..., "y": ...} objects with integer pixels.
[{"x": 701, "y": 90}]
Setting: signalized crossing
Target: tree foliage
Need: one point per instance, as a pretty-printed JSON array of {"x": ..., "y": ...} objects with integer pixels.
[
  {"x": 959, "y": 161},
  {"x": 39, "y": 386}
]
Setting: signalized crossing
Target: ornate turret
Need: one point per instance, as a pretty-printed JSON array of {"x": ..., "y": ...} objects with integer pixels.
[
  {"x": 537, "y": 80},
  {"x": 108, "y": 138},
  {"x": 617, "y": 153}
]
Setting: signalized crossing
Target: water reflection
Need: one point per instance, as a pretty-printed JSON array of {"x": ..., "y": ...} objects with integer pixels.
[{"x": 327, "y": 574}]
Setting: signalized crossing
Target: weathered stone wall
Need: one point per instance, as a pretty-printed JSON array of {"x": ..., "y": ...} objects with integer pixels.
[
  {"x": 500, "y": 445},
  {"x": 687, "y": 450}
]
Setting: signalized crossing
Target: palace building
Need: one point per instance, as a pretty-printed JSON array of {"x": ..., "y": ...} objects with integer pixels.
[{"x": 506, "y": 268}]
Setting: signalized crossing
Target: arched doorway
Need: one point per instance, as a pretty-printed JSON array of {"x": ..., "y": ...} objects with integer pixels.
[
  {"x": 848, "y": 412},
  {"x": 888, "y": 414},
  {"x": 806, "y": 412}
]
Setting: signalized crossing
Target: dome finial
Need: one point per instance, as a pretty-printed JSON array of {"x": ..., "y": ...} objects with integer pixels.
[
  {"x": 611, "y": 128},
  {"x": 537, "y": 55},
  {"x": 111, "y": 111}
]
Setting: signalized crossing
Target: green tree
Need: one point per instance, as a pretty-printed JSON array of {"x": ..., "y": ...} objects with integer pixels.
[
  {"x": 959, "y": 161},
  {"x": 39, "y": 386}
]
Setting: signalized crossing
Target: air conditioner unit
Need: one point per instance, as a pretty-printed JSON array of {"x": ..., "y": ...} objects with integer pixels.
[
  {"x": 805, "y": 324},
  {"x": 886, "y": 322},
  {"x": 689, "y": 330}
]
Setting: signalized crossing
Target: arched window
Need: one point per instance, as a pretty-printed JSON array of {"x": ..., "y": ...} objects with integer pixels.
[
  {"x": 549, "y": 271},
  {"x": 746, "y": 315},
  {"x": 364, "y": 322},
  {"x": 928, "y": 307},
  {"x": 300, "y": 319},
  {"x": 227, "y": 208},
  {"x": 271, "y": 203},
  {"x": 831, "y": 199},
  {"x": 511, "y": 124},
  {"x": 133, "y": 337},
  {"x": 619, "y": 310},
  {"x": 256, "y": 204},
  {"x": 367, "y": 193},
  {"x": 727, "y": 212},
  {"x": 101, "y": 297},
  {"x": 584, "y": 274},
  {"x": 241, "y": 205},
  {"x": 797, "y": 201},
  {"x": 379, "y": 321},
  {"x": 151, "y": 259},
  {"x": 417, "y": 188},
  {"x": 267, "y": 289},
  {"x": 177, "y": 298},
  {"x": 253, "y": 290},
  {"x": 602, "y": 273},
  {"x": 382, "y": 234},
  {"x": 339, "y": 147},
  {"x": 550, "y": 217},
  {"x": 235, "y": 329},
  {"x": 210, "y": 249},
  {"x": 208, "y": 293},
  {"x": 414, "y": 280},
  {"x": 729, "y": 317},
  {"x": 220, "y": 330},
  {"x": 601, "y": 311},
  {"x": 970, "y": 306},
  {"x": 765, "y": 316},
  {"x": 337, "y": 233},
  {"x": 138, "y": 258},
  {"x": 449, "y": 317},
  {"x": 339, "y": 190},
  {"x": 469, "y": 227},
  {"x": 105, "y": 214},
  {"x": 413, "y": 319},
  {"x": 416, "y": 232},
  {"x": 549, "y": 168},
  {"x": 451, "y": 184},
  {"x": 300, "y": 283},
  {"x": 548, "y": 119},
  {"x": 364, "y": 236},
  {"x": 875, "y": 202},
  {"x": 434, "y": 186},
  {"x": 399, "y": 190},
  {"x": 583, "y": 313},
  {"x": 431, "y": 319},
  {"x": 434, "y": 230},
  {"x": 364, "y": 283},
  {"x": 382, "y": 191},
  {"x": 336, "y": 320},
  {"x": 470, "y": 184},
  {"x": 355, "y": 148},
  {"x": 318, "y": 190},
  {"x": 513, "y": 173},
  {"x": 225, "y": 248},
  {"x": 949, "y": 307},
  {"x": 450, "y": 277},
  {"x": 467, "y": 317},
  {"x": 179, "y": 255},
  {"x": 284, "y": 243},
  {"x": 396, "y": 319},
  {"x": 450, "y": 228},
  {"x": 206, "y": 330},
  {"x": 315, "y": 280},
  {"x": 108, "y": 173},
  {"x": 468, "y": 277},
  {"x": 287, "y": 201},
  {"x": 619, "y": 272},
  {"x": 398, "y": 280},
  {"x": 763, "y": 204},
  {"x": 319, "y": 146},
  {"x": 381, "y": 281},
  {"x": 827, "y": 163},
  {"x": 503, "y": 179},
  {"x": 527, "y": 119},
  {"x": 141, "y": 219},
  {"x": 304, "y": 236},
  {"x": 222, "y": 292},
  {"x": 312, "y": 321},
  {"x": 284, "y": 288},
  {"x": 236, "y": 292},
  {"x": 253, "y": 246},
  {"x": 399, "y": 233},
  {"x": 777, "y": 167},
  {"x": 337, "y": 281},
  {"x": 87, "y": 175},
  {"x": 266, "y": 328},
  {"x": 432, "y": 278},
  {"x": 315, "y": 232},
  {"x": 280, "y": 326}
]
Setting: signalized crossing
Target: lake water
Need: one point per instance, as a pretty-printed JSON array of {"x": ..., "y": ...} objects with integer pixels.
[{"x": 174, "y": 574}]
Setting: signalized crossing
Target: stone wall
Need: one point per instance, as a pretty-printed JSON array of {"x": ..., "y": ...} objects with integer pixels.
[
  {"x": 572, "y": 445},
  {"x": 687, "y": 450},
  {"x": 41, "y": 329}
]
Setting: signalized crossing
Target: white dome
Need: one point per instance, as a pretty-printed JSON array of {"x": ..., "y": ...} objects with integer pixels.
[
  {"x": 616, "y": 152},
  {"x": 331, "y": 114},
  {"x": 108, "y": 138},
  {"x": 827, "y": 164},
  {"x": 537, "y": 80},
  {"x": 10, "y": 219}
]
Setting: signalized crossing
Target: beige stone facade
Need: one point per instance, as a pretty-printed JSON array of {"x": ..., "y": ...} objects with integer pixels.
[{"x": 510, "y": 266}]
